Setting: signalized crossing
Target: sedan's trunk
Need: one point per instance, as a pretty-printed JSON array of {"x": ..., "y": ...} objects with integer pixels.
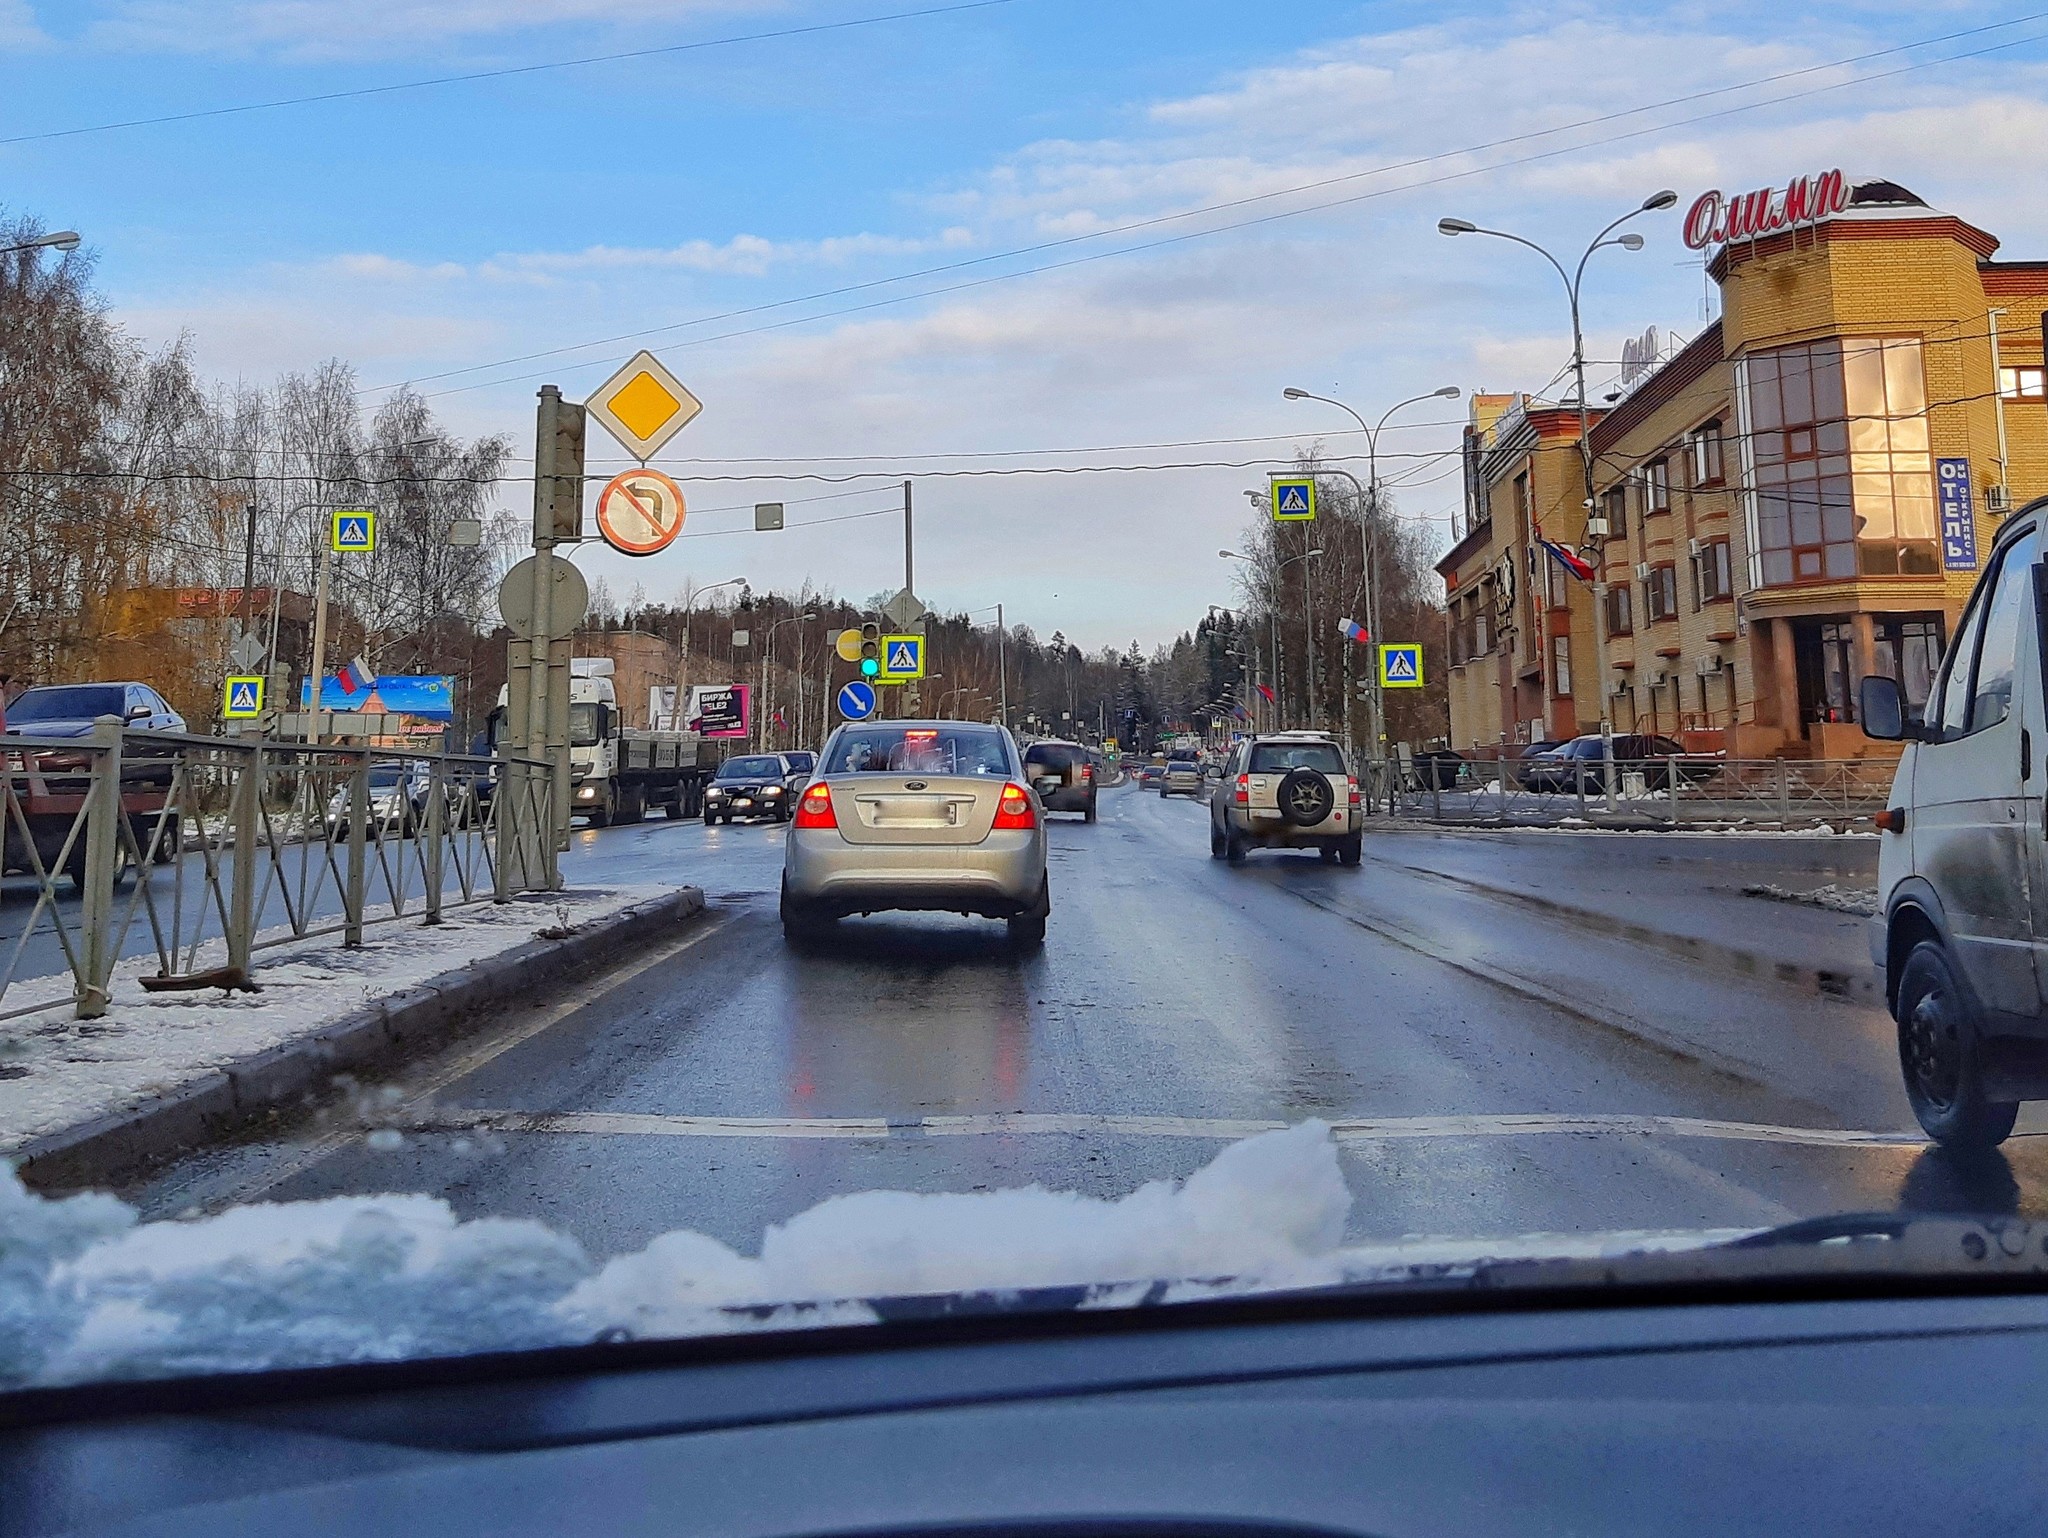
[{"x": 915, "y": 809}]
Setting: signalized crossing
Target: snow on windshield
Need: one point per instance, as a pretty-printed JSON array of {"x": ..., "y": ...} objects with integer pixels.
[{"x": 87, "y": 1291}]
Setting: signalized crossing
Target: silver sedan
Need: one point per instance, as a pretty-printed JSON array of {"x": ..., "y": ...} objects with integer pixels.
[{"x": 919, "y": 815}]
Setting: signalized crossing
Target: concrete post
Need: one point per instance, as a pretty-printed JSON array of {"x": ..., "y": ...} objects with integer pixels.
[
  {"x": 358, "y": 862},
  {"x": 247, "y": 814},
  {"x": 437, "y": 786}
]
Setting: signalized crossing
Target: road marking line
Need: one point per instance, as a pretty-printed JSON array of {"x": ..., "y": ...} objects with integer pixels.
[
  {"x": 327, "y": 1143},
  {"x": 1024, "y": 1124}
]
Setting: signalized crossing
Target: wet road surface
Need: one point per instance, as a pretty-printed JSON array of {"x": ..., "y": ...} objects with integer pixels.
[{"x": 1512, "y": 1033}]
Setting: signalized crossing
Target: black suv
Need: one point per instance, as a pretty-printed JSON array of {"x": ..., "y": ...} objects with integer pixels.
[{"x": 1063, "y": 776}]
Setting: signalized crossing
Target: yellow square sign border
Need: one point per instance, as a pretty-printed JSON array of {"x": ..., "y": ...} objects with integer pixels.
[
  {"x": 367, "y": 514},
  {"x": 893, "y": 676},
  {"x": 642, "y": 447},
  {"x": 1400, "y": 683},
  {"x": 1273, "y": 492},
  {"x": 227, "y": 697}
]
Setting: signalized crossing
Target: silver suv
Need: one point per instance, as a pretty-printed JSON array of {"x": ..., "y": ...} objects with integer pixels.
[{"x": 1286, "y": 790}]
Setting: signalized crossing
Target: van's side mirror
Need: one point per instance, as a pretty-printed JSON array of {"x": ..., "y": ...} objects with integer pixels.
[{"x": 1883, "y": 710}]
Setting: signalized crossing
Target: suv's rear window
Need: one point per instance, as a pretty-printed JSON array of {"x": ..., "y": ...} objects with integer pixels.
[
  {"x": 1052, "y": 755},
  {"x": 1279, "y": 757},
  {"x": 918, "y": 750}
]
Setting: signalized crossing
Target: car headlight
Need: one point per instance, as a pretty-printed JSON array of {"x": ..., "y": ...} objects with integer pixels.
[
  {"x": 586, "y": 793},
  {"x": 772, "y": 790},
  {"x": 714, "y": 792}
]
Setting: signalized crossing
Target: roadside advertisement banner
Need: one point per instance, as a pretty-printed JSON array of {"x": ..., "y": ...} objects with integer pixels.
[
  {"x": 1952, "y": 503},
  {"x": 719, "y": 710}
]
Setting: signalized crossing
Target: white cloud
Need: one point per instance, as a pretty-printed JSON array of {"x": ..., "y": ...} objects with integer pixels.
[{"x": 18, "y": 27}]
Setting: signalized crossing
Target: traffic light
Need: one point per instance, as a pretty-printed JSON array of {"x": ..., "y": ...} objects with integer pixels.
[{"x": 870, "y": 650}]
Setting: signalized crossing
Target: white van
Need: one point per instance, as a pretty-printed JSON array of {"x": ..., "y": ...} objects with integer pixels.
[{"x": 1962, "y": 932}]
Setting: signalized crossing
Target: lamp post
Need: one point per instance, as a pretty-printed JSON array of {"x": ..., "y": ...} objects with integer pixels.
[
  {"x": 1273, "y": 621},
  {"x": 1596, "y": 527},
  {"x": 59, "y": 240},
  {"x": 768, "y": 664},
  {"x": 689, "y": 607},
  {"x": 1309, "y": 617},
  {"x": 1368, "y": 547}
]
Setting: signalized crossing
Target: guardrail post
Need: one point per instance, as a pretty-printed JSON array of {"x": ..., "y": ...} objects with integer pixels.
[
  {"x": 1784, "y": 792},
  {"x": 1579, "y": 780},
  {"x": 504, "y": 828},
  {"x": 1671, "y": 786},
  {"x": 437, "y": 783},
  {"x": 551, "y": 784},
  {"x": 358, "y": 861},
  {"x": 247, "y": 812},
  {"x": 102, "y": 861}
]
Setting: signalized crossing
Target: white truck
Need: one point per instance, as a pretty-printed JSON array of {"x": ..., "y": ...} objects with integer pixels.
[{"x": 618, "y": 773}]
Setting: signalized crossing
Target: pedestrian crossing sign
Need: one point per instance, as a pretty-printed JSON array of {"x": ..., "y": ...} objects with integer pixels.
[
  {"x": 902, "y": 658},
  {"x": 355, "y": 532},
  {"x": 1294, "y": 501},
  {"x": 1401, "y": 667},
  {"x": 242, "y": 698}
]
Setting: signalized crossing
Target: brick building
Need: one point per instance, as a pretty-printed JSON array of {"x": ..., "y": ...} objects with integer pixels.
[{"x": 1794, "y": 500}]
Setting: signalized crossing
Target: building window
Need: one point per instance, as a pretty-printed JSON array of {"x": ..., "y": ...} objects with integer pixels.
[
  {"x": 1619, "y": 619},
  {"x": 1704, "y": 449},
  {"x": 1560, "y": 664},
  {"x": 1617, "y": 513},
  {"x": 1715, "y": 578},
  {"x": 2021, "y": 384},
  {"x": 1660, "y": 594},
  {"x": 1522, "y": 499},
  {"x": 1844, "y": 480},
  {"x": 1908, "y": 649},
  {"x": 1656, "y": 487},
  {"x": 1556, "y": 579}
]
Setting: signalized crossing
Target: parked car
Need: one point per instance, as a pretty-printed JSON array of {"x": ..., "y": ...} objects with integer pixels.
[
  {"x": 753, "y": 785},
  {"x": 1560, "y": 768},
  {"x": 1438, "y": 769},
  {"x": 919, "y": 815},
  {"x": 1961, "y": 935},
  {"x": 1063, "y": 775},
  {"x": 397, "y": 800}
]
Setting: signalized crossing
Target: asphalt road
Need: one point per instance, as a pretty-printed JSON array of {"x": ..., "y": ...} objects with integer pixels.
[{"x": 1514, "y": 1033}]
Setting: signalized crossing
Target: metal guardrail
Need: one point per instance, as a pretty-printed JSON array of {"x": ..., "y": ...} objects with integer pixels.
[
  {"x": 236, "y": 844},
  {"x": 1668, "y": 792}
]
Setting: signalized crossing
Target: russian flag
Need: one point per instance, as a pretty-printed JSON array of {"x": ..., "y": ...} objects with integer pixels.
[
  {"x": 1267, "y": 694},
  {"x": 1570, "y": 560},
  {"x": 1353, "y": 631},
  {"x": 355, "y": 677}
]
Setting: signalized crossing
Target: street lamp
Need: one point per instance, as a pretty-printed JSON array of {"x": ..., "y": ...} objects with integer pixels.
[
  {"x": 683, "y": 668},
  {"x": 768, "y": 659},
  {"x": 61, "y": 240},
  {"x": 1368, "y": 540},
  {"x": 1596, "y": 541}
]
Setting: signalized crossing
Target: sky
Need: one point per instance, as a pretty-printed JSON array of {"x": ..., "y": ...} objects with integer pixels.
[{"x": 883, "y": 245}]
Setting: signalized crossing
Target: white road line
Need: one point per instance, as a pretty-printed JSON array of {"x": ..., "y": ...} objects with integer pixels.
[{"x": 1025, "y": 1124}]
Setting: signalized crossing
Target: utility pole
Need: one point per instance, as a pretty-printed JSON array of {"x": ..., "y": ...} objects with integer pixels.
[{"x": 1003, "y": 664}]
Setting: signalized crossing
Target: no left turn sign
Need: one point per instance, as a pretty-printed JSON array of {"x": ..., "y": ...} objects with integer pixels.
[{"x": 640, "y": 512}]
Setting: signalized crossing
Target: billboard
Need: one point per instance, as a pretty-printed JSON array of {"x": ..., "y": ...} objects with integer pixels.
[
  {"x": 427, "y": 696},
  {"x": 719, "y": 710}
]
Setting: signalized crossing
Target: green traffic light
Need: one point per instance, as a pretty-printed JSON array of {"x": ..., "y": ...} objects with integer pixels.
[{"x": 869, "y": 667}]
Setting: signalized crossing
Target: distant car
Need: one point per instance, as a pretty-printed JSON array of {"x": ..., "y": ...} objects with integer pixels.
[
  {"x": 917, "y": 815},
  {"x": 1561, "y": 768},
  {"x": 1063, "y": 775},
  {"x": 397, "y": 801},
  {"x": 69, "y": 710},
  {"x": 1182, "y": 777},
  {"x": 1287, "y": 790},
  {"x": 1438, "y": 769},
  {"x": 804, "y": 763},
  {"x": 752, "y": 785}
]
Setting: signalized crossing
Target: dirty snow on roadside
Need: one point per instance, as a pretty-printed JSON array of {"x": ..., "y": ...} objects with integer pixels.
[
  {"x": 56, "y": 1072},
  {"x": 1836, "y": 899},
  {"x": 87, "y": 1292}
]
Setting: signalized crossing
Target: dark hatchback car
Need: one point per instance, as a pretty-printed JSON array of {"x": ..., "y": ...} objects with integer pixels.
[
  {"x": 1063, "y": 776},
  {"x": 1561, "y": 767}
]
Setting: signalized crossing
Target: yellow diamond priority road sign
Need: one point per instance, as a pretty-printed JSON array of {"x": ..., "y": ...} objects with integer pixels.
[{"x": 643, "y": 405}]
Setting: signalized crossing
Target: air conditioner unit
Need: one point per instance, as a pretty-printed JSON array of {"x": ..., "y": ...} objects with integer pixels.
[
  {"x": 1642, "y": 571},
  {"x": 1708, "y": 665},
  {"x": 1658, "y": 677},
  {"x": 1995, "y": 499},
  {"x": 1692, "y": 547}
]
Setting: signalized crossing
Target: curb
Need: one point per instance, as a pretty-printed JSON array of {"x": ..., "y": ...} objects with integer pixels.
[{"x": 429, "y": 1013}]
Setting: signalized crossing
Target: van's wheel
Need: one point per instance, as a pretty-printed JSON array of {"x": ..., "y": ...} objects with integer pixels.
[{"x": 1941, "y": 1051}]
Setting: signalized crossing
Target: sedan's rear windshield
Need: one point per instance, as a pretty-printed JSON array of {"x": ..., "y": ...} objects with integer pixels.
[
  {"x": 70, "y": 702},
  {"x": 1279, "y": 757},
  {"x": 751, "y": 769},
  {"x": 918, "y": 750}
]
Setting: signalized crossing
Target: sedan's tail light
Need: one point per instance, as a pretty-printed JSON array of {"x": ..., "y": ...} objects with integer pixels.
[
  {"x": 1244, "y": 790},
  {"x": 815, "y": 810},
  {"x": 1014, "y": 810}
]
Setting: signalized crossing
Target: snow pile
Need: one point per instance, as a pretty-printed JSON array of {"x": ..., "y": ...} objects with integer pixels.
[
  {"x": 87, "y": 1292},
  {"x": 1836, "y": 899}
]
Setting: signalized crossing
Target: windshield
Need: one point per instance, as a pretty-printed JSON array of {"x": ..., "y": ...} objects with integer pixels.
[
  {"x": 751, "y": 769},
  {"x": 1329, "y": 736},
  {"x": 917, "y": 750},
  {"x": 71, "y": 702}
]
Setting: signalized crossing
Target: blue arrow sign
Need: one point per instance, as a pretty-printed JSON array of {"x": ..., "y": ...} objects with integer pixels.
[{"x": 857, "y": 700}]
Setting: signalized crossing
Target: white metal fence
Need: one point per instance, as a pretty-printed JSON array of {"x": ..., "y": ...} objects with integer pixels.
[{"x": 221, "y": 847}]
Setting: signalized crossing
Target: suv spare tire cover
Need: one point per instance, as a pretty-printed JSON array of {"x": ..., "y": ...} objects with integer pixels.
[{"x": 1305, "y": 797}]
